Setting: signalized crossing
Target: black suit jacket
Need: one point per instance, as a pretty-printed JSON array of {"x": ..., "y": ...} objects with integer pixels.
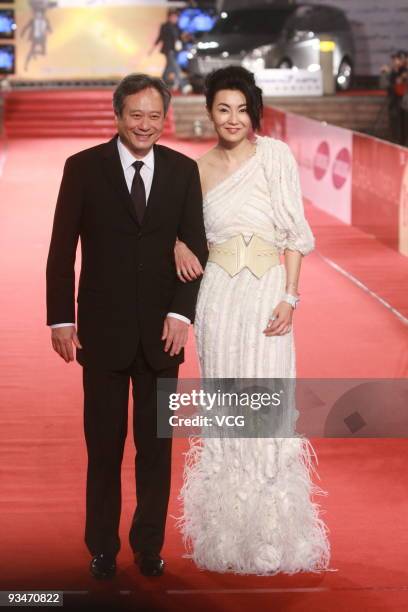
[{"x": 128, "y": 281}]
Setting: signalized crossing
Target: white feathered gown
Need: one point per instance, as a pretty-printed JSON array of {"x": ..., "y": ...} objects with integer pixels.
[{"x": 247, "y": 504}]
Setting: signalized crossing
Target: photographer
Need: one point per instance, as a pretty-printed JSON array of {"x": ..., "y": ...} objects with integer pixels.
[{"x": 394, "y": 78}]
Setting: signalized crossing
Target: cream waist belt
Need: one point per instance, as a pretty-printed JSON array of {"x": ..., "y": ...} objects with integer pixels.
[{"x": 234, "y": 255}]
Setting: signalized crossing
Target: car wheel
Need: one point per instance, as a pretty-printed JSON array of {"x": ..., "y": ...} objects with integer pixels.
[
  {"x": 344, "y": 75},
  {"x": 285, "y": 64}
]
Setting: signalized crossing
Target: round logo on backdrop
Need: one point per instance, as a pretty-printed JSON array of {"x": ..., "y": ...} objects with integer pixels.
[
  {"x": 321, "y": 161},
  {"x": 341, "y": 168}
]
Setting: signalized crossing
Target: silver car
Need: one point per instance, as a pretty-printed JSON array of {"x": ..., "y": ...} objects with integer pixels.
[{"x": 276, "y": 37}]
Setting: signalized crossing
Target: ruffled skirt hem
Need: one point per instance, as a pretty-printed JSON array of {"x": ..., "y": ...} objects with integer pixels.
[{"x": 247, "y": 507}]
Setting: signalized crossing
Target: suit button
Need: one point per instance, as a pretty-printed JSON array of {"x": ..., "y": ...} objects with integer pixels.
[
  {"x": 140, "y": 267},
  {"x": 139, "y": 235}
]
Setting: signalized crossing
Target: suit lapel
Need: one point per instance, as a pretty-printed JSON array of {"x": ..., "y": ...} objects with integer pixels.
[{"x": 115, "y": 174}]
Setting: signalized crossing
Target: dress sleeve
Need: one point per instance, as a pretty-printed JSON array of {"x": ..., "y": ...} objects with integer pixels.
[{"x": 292, "y": 229}]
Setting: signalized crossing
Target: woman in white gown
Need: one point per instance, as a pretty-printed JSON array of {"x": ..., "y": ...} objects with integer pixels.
[{"x": 247, "y": 502}]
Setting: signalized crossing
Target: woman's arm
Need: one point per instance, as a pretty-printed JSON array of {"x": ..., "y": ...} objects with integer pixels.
[
  {"x": 293, "y": 262},
  {"x": 295, "y": 238},
  {"x": 188, "y": 266},
  {"x": 280, "y": 322}
]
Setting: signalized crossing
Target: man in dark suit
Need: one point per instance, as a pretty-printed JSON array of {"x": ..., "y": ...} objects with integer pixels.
[{"x": 128, "y": 200}]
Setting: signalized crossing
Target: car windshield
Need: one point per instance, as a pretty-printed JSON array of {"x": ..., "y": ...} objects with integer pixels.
[{"x": 263, "y": 21}]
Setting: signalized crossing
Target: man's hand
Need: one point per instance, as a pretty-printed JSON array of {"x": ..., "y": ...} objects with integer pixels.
[
  {"x": 175, "y": 333},
  {"x": 62, "y": 339}
]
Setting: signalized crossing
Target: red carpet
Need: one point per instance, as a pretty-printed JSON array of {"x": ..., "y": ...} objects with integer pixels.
[{"x": 341, "y": 331}]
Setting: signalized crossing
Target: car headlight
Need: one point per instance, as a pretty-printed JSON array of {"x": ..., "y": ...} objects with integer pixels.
[
  {"x": 259, "y": 52},
  {"x": 212, "y": 44},
  {"x": 254, "y": 65},
  {"x": 302, "y": 36},
  {"x": 256, "y": 59}
]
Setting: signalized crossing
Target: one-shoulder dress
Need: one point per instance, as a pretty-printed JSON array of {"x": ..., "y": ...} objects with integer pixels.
[{"x": 248, "y": 503}]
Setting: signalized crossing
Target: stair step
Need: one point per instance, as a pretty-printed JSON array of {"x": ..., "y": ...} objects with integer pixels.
[
  {"x": 54, "y": 110},
  {"x": 17, "y": 122},
  {"x": 24, "y": 131},
  {"x": 64, "y": 113}
]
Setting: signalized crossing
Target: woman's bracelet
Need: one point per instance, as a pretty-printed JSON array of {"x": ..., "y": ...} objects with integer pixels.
[{"x": 291, "y": 299}]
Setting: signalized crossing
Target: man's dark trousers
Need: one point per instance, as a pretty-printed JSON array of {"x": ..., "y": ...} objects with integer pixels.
[{"x": 105, "y": 420}]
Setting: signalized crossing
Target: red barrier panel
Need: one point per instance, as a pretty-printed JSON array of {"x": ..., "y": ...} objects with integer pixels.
[
  {"x": 274, "y": 123},
  {"x": 403, "y": 216},
  {"x": 323, "y": 153},
  {"x": 378, "y": 169},
  {"x": 376, "y": 201}
]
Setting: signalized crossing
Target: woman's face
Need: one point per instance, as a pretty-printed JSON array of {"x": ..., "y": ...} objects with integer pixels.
[{"x": 230, "y": 116}]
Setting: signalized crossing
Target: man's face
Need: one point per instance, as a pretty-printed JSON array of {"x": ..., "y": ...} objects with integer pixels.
[{"x": 141, "y": 122}]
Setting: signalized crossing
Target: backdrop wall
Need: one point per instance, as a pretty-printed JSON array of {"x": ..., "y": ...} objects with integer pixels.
[{"x": 66, "y": 39}]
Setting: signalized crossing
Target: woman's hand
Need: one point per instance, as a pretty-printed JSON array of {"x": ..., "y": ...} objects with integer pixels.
[
  {"x": 280, "y": 322},
  {"x": 187, "y": 264}
]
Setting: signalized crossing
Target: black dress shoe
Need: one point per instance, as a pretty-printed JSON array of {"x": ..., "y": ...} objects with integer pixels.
[
  {"x": 103, "y": 567},
  {"x": 150, "y": 564}
]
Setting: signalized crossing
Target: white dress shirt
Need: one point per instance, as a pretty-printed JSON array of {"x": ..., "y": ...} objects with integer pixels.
[{"x": 146, "y": 172}]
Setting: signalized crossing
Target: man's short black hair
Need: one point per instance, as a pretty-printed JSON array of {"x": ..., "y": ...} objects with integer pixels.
[{"x": 133, "y": 83}]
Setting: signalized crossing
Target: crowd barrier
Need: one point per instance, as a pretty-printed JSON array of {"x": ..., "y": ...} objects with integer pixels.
[
  {"x": 2, "y": 135},
  {"x": 360, "y": 180}
]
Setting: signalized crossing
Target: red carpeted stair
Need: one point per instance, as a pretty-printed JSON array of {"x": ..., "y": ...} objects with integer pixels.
[{"x": 36, "y": 114}]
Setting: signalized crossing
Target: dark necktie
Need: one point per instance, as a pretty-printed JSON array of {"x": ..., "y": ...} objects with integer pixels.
[{"x": 138, "y": 192}]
